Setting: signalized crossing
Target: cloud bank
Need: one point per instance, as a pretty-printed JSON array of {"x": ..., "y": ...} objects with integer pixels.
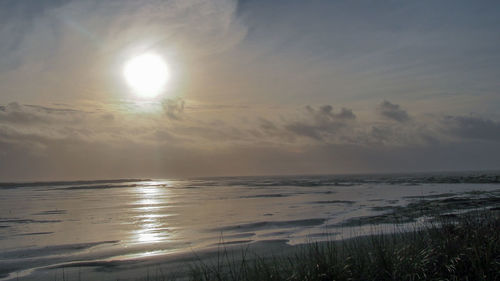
[{"x": 174, "y": 138}]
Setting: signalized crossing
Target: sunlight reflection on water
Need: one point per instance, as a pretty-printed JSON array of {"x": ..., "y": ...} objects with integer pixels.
[{"x": 152, "y": 223}]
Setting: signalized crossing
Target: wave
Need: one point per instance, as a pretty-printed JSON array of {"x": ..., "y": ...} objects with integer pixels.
[
  {"x": 13, "y": 185},
  {"x": 298, "y": 181},
  {"x": 235, "y": 242},
  {"x": 107, "y": 186},
  {"x": 270, "y": 224},
  {"x": 354, "y": 180},
  {"x": 34, "y": 233},
  {"x": 265, "y": 196},
  {"x": 23, "y": 221},
  {"x": 334, "y": 202},
  {"x": 51, "y": 212},
  {"x": 51, "y": 250}
]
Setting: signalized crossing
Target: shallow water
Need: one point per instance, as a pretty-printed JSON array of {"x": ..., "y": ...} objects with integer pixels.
[{"x": 47, "y": 224}]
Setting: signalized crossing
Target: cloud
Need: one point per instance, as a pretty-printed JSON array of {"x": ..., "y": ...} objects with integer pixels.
[
  {"x": 392, "y": 134},
  {"x": 393, "y": 112},
  {"x": 471, "y": 127},
  {"x": 15, "y": 113},
  {"x": 305, "y": 130},
  {"x": 267, "y": 125},
  {"x": 44, "y": 124},
  {"x": 18, "y": 18},
  {"x": 52, "y": 110},
  {"x": 115, "y": 138},
  {"x": 202, "y": 26},
  {"x": 173, "y": 108},
  {"x": 321, "y": 122},
  {"x": 325, "y": 114}
]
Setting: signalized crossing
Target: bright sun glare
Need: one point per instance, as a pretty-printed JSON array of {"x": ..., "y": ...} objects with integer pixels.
[{"x": 146, "y": 74}]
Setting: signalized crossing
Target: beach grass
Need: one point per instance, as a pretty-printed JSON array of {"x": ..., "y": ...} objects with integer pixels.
[{"x": 466, "y": 247}]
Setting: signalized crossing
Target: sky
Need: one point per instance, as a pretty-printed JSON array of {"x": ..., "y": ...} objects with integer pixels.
[{"x": 256, "y": 87}]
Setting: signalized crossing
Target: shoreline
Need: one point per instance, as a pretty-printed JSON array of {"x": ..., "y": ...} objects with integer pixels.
[
  {"x": 330, "y": 216},
  {"x": 179, "y": 266}
]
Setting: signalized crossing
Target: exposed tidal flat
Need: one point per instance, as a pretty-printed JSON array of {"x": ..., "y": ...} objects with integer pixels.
[{"x": 245, "y": 228}]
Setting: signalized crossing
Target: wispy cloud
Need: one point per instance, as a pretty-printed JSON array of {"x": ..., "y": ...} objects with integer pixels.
[{"x": 74, "y": 50}]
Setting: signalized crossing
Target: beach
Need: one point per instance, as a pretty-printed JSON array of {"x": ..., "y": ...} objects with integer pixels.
[{"x": 129, "y": 229}]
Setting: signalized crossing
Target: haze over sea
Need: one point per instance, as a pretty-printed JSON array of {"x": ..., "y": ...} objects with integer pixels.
[{"x": 115, "y": 224}]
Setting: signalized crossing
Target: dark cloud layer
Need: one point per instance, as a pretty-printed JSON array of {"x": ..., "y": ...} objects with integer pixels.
[
  {"x": 393, "y": 112},
  {"x": 470, "y": 127}
]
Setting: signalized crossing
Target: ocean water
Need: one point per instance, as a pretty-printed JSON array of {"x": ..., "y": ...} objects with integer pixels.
[{"x": 46, "y": 226}]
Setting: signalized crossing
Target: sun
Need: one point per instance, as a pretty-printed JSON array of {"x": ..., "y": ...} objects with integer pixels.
[{"x": 146, "y": 74}]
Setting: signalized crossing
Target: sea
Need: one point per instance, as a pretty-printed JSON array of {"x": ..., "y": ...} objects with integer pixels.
[{"x": 49, "y": 229}]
